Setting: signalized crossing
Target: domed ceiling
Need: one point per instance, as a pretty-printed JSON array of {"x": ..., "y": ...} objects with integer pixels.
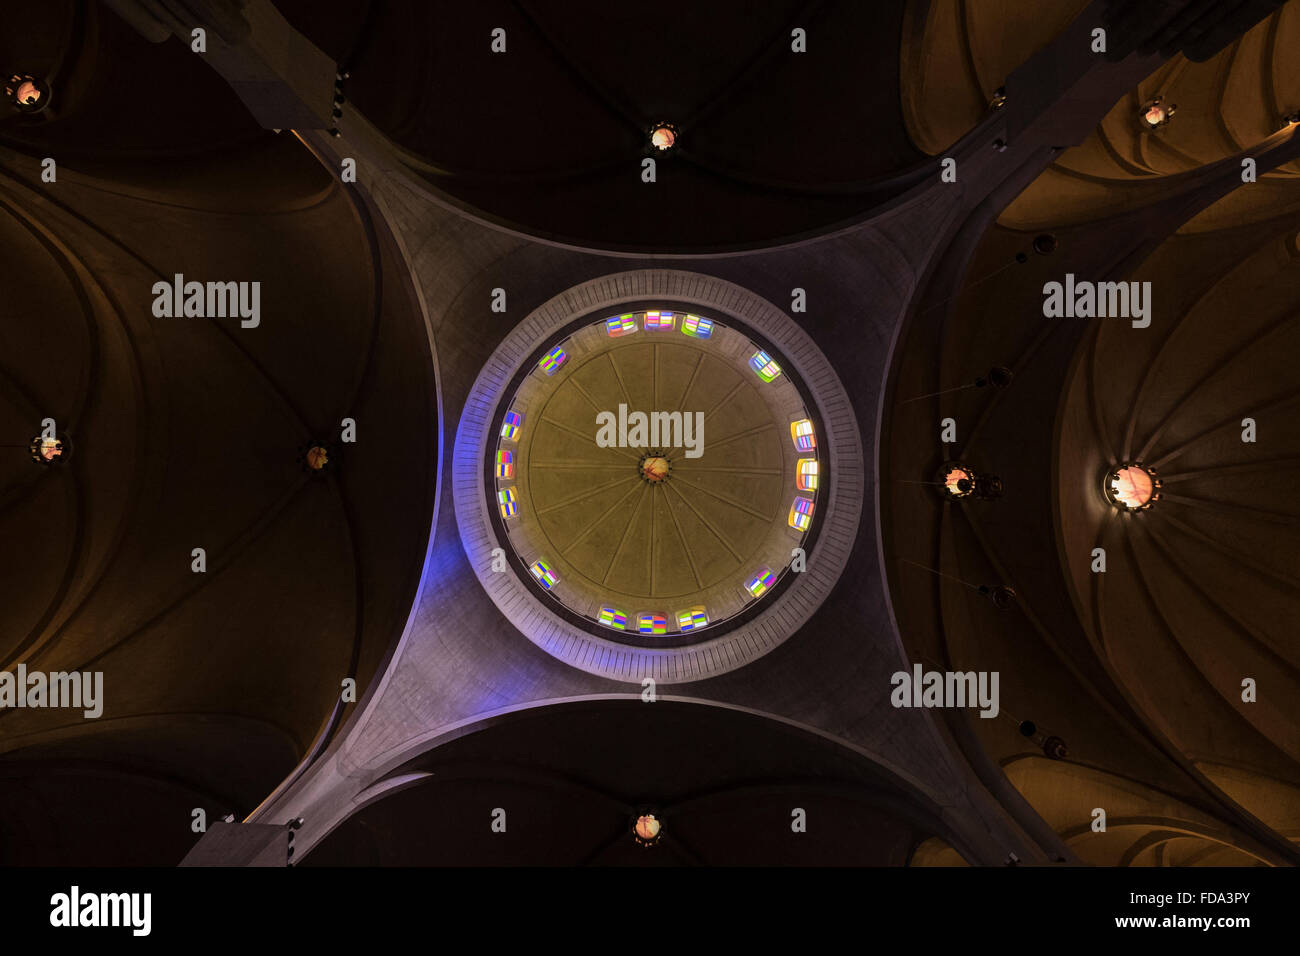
[
  {"x": 647, "y": 463},
  {"x": 366, "y": 566},
  {"x": 1199, "y": 594},
  {"x": 1185, "y": 599}
]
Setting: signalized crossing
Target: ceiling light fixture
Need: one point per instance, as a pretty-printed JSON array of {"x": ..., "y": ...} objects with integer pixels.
[
  {"x": 1002, "y": 596},
  {"x": 647, "y": 829},
  {"x": 956, "y": 480},
  {"x": 663, "y": 136},
  {"x": 27, "y": 93},
  {"x": 1131, "y": 487},
  {"x": 1156, "y": 114},
  {"x": 49, "y": 451}
]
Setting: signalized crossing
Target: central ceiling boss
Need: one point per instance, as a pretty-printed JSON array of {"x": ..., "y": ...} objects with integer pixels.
[{"x": 652, "y": 477}]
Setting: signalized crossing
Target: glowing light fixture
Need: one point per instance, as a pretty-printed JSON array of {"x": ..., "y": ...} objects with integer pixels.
[
  {"x": 1156, "y": 113},
  {"x": 801, "y": 433},
  {"x": 27, "y": 93},
  {"x": 1131, "y": 487},
  {"x": 647, "y": 829},
  {"x": 655, "y": 321},
  {"x": 655, "y": 468},
  {"x": 317, "y": 458},
  {"x": 543, "y": 573},
  {"x": 956, "y": 480},
  {"x": 47, "y": 451},
  {"x": 663, "y": 136}
]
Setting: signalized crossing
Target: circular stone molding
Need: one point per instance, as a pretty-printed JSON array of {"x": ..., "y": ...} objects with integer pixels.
[{"x": 840, "y": 503}]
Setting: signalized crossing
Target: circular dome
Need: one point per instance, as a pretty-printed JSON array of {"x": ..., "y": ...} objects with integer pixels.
[
  {"x": 644, "y": 480},
  {"x": 653, "y": 471}
]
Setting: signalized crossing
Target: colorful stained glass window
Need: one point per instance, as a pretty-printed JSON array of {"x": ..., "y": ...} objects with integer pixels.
[
  {"x": 506, "y": 500},
  {"x": 651, "y": 623},
  {"x": 764, "y": 365},
  {"x": 692, "y": 618},
  {"x": 510, "y": 427},
  {"x": 805, "y": 474},
  {"x": 612, "y": 617},
  {"x": 621, "y": 325},
  {"x": 763, "y": 579},
  {"x": 697, "y": 327},
  {"x": 505, "y": 464},
  {"x": 542, "y": 571},
  {"x": 802, "y": 433},
  {"x": 552, "y": 360},
  {"x": 659, "y": 320},
  {"x": 801, "y": 513}
]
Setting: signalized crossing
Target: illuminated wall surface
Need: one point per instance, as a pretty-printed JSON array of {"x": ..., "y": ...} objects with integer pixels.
[{"x": 537, "y": 434}]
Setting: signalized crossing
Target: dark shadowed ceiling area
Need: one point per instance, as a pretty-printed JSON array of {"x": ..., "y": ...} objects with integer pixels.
[
  {"x": 551, "y": 141},
  {"x": 572, "y": 779}
]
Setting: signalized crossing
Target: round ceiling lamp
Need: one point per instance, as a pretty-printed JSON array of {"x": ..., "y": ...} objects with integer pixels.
[
  {"x": 663, "y": 136},
  {"x": 1131, "y": 487},
  {"x": 1156, "y": 114},
  {"x": 655, "y": 467},
  {"x": 647, "y": 829},
  {"x": 49, "y": 451},
  {"x": 956, "y": 480},
  {"x": 318, "y": 457},
  {"x": 27, "y": 93}
]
